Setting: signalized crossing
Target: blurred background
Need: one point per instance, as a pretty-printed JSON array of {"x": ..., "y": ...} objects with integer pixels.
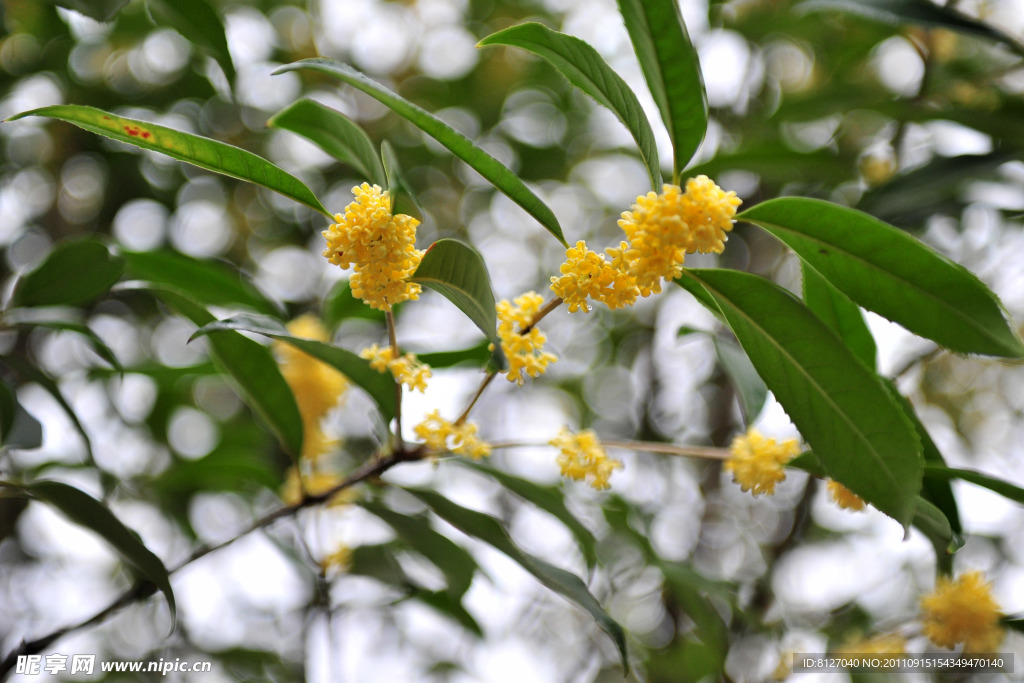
[{"x": 915, "y": 123}]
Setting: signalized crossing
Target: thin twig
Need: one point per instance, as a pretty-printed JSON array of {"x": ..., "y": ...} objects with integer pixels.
[
  {"x": 373, "y": 468},
  {"x": 389, "y": 317},
  {"x": 476, "y": 397}
]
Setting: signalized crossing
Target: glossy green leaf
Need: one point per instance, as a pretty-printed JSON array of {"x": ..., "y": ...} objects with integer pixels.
[
  {"x": 475, "y": 355},
  {"x": 223, "y": 469},
  {"x": 86, "y": 511},
  {"x": 840, "y": 406},
  {"x": 749, "y": 385},
  {"x": 64, "y": 320},
  {"x": 196, "y": 21},
  {"x": 489, "y": 530},
  {"x": 889, "y": 272},
  {"x": 922, "y": 12},
  {"x": 379, "y": 562},
  {"x": 1000, "y": 486},
  {"x": 403, "y": 200},
  {"x": 100, "y": 10},
  {"x": 456, "y": 271},
  {"x": 584, "y": 67},
  {"x": 252, "y": 367},
  {"x": 193, "y": 149},
  {"x": 461, "y": 146},
  {"x": 453, "y": 560},
  {"x": 551, "y": 499},
  {"x": 334, "y": 133},
  {"x": 935, "y": 526},
  {"x": 672, "y": 71},
  {"x": 209, "y": 282},
  {"x": 380, "y": 387},
  {"x": 73, "y": 274},
  {"x": 840, "y": 314}
]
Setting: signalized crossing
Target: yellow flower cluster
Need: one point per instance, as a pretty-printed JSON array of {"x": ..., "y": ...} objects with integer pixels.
[
  {"x": 441, "y": 435},
  {"x": 583, "y": 457},
  {"x": 885, "y": 644},
  {"x": 660, "y": 230},
  {"x": 844, "y": 497},
  {"x": 316, "y": 385},
  {"x": 406, "y": 369},
  {"x": 757, "y": 462},
  {"x": 963, "y": 611},
  {"x": 382, "y": 247},
  {"x": 523, "y": 351}
]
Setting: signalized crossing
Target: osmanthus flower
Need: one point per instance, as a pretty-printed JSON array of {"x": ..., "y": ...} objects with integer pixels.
[
  {"x": 587, "y": 274},
  {"x": 406, "y": 369},
  {"x": 963, "y": 611},
  {"x": 583, "y": 458},
  {"x": 758, "y": 463},
  {"x": 337, "y": 561},
  {"x": 524, "y": 351},
  {"x": 884, "y": 644},
  {"x": 317, "y": 386},
  {"x": 441, "y": 435},
  {"x": 844, "y": 497},
  {"x": 380, "y": 246}
]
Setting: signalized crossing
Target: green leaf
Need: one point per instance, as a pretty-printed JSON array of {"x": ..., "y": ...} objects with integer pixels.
[
  {"x": 889, "y": 272},
  {"x": 451, "y": 607},
  {"x": 86, "y": 511},
  {"x": 18, "y": 429},
  {"x": 380, "y": 387},
  {"x": 934, "y": 525},
  {"x": 340, "y": 305},
  {"x": 453, "y": 560},
  {"x": 1003, "y": 488},
  {"x": 551, "y": 499},
  {"x": 489, "y": 530},
  {"x": 253, "y": 369},
  {"x": 100, "y": 10},
  {"x": 903, "y": 12},
  {"x": 193, "y": 149},
  {"x": 64, "y": 320},
  {"x": 840, "y": 407},
  {"x": 672, "y": 71},
  {"x": 749, "y": 385},
  {"x": 196, "y": 21},
  {"x": 584, "y": 67},
  {"x": 840, "y": 315},
  {"x": 209, "y": 282},
  {"x": 457, "y": 272},
  {"x": 461, "y": 146},
  {"x": 230, "y": 468},
  {"x": 403, "y": 200},
  {"x": 475, "y": 355},
  {"x": 334, "y": 133},
  {"x": 73, "y": 274}
]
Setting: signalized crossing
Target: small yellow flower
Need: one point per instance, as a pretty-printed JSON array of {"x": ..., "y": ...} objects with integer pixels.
[
  {"x": 524, "y": 351},
  {"x": 844, "y": 497},
  {"x": 963, "y": 611},
  {"x": 583, "y": 457},
  {"x": 406, "y": 369},
  {"x": 317, "y": 386},
  {"x": 709, "y": 212},
  {"x": 380, "y": 246},
  {"x": 885, "y": 644},
  {"x": 439, "y": 435},
  {"x": 587, "y": 274},
  {"x": 757, "y": 463},
  {"x": 338, "y": 561}
]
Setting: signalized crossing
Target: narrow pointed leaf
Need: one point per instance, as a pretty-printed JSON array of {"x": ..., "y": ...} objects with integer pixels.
[
  {"x": 196, "y": 21},
  {"x": 208, "y": 282},
  {"x": 672, "y": 71},
  {"x": 489, "y": 530},
  {"x": 456, "y": 271},
  {"x": 334, "y": 133},
  {"x": 100, "y": 10},
  {"x": 840, "y": 406},
  {"x": 889, "y": 272},
  {"x": 19, "y": 428},
  {"x": 86, "y": 511},
  {"x": 921, "y": 12},
  {"x": 73, "y": 274},
  {"x": 403, "y": 200},
  {"x": 252, "y": 367},
  {"x": 749, "y": 385},
  {"x": 193, "y": 149},
  {"x": 551, "y": 499},
  {"x": 64, "y": 320},
  {"x": 380, "y": 387},
  {"x": 840, "y": 314},
  {"x": 584, "y": 67},
  {"x": 1000, "y": 486},
  {"x": 453, "y": 560},
  {"x": 475, "y": 355},
  {"x": 461, "y": 146}
]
